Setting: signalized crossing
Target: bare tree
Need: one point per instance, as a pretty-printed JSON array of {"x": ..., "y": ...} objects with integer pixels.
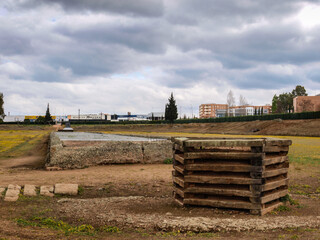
[
  {"x": 242, "y": 101},
  {"x": 230, "y": 101}
]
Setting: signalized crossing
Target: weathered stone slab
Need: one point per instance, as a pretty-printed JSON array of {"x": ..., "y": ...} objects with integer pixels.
[
  {"x": 68, "y": 189},
  {"x": 47, "y": 191},
  {"x": 12, "y": 193},
  {"x": 29, "y": 190},
  {"x": 156, "y": 151},
  {"x": 105, "y": 152}
]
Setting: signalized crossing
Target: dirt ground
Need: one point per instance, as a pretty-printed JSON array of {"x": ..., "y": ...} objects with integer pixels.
[
  {"x": 274, "y": 127},
  {"x": 137, "y": 199}
]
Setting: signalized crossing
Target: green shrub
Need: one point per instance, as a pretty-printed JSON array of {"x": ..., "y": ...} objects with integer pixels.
[{"x": 168, "y": 161}]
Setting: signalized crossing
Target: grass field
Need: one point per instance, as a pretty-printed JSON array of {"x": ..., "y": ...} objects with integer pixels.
[
  {"x": 15, "y": 143},
  {"x": 304, "y": 150}
]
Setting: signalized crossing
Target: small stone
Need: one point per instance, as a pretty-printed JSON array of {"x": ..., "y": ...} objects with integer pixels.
[
  {"x": 29, "y": 190},
  {"x": 68, "y": 189},
  {"x": 12, "y": 193},
  {"x": 46, "y": 191}
]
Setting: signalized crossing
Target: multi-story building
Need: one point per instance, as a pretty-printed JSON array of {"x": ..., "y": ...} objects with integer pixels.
[
  {"x": 306, "y": 103},
  {"x": 210, "y": 110},
  {"x": 222, "y": 110},
  {"x": 249, "y": 110}
]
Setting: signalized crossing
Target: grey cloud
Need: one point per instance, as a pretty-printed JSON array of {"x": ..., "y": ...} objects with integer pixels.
[
  {"x": 147, "y": 8},
  {"x": 12, "y": 43},
  {"x": 246, "y": 10},
  {"x": 143, "y": 37},
  {"x": 85, "y": 59},
  {"x": 314, "y": 75},
  {"x": 107, "y": 47},
  {"x": 263, "y": 80}
]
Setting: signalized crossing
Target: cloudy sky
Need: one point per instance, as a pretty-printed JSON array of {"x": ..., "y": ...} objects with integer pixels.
[{"x": 116, "y": 56}]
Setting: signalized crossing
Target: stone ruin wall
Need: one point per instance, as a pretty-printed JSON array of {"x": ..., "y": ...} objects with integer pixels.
[{"x": 106, "y": 152}]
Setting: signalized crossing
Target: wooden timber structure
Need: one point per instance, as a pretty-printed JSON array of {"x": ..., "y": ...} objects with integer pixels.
[{"x": 250, "y": 174}]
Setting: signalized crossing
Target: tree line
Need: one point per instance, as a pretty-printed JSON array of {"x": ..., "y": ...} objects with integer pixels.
[{"x": 284, "y": 102}]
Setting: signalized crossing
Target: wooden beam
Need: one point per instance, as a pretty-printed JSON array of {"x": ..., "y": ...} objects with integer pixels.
[
  {"x": 276, "y": 172},
  {"x": 179, "y": 192},
  {"x": 179, "y": 181},
  {"x": 178, "y": 158},
  {"x": 278, "y": 142},
  {"x": 179, "y": 169},
  {"x": 223, "y": 167},
  {"x": 276, "y": 149},
  {"x": 205, "y": 143},
  {"x": 270, "y": 208},
  {"x": 221, "y": 180},
  {"x": 273, "y": 196},
  {"x": 219, "y": 191},
  {"x": 223, "y": 155},
  {"x": 275, "y": 184},
  {"x": 273, "y": 160}
]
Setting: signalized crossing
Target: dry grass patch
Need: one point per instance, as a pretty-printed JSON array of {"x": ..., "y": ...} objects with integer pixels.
[{"x": 15, "y": 143}]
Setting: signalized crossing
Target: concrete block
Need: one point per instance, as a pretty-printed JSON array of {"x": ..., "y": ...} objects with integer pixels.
[
  {"x": 14, "y": 186},
  {"x": 29, "y": 190},
  {"x": 47, "y": 191},
  {"x": 68, "y": 189},
  {"x": 12, "y": 193}
]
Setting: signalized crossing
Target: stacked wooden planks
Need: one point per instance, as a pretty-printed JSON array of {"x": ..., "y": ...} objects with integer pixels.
[{"x": 247, "y": 173}]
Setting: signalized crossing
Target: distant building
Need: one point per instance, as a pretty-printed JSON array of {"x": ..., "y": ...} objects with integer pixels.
[
  {"x": 128, "y": 117},
  {"x": 14, "y": 118},
  {"x": 62, "y": 118},
  {"x": 221, "y": 110},
  {"x": 156, "y": 116},
  {"x": 100, "y": 116},
  {"x": 306, "y": 103},
  {"x": 210, "y": 110},
  {"x": 237, "y": 111}
]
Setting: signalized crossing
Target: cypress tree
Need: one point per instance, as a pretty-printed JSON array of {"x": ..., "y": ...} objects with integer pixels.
[
  {"x": 255, "y": 111},
  {"x": 2, "y": 115},
  {"x": 171, "y": 111},
  {"x": 48, "y": 118}
]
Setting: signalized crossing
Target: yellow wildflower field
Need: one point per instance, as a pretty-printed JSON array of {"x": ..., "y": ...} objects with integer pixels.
[
  {"x": 305, "y": 150},
  {"x": 15, "y": 142}
]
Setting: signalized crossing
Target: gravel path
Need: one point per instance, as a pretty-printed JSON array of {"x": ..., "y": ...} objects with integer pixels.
[
  {"x": 85, "y": 136},
  {"x": 113, "y": 210}
]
